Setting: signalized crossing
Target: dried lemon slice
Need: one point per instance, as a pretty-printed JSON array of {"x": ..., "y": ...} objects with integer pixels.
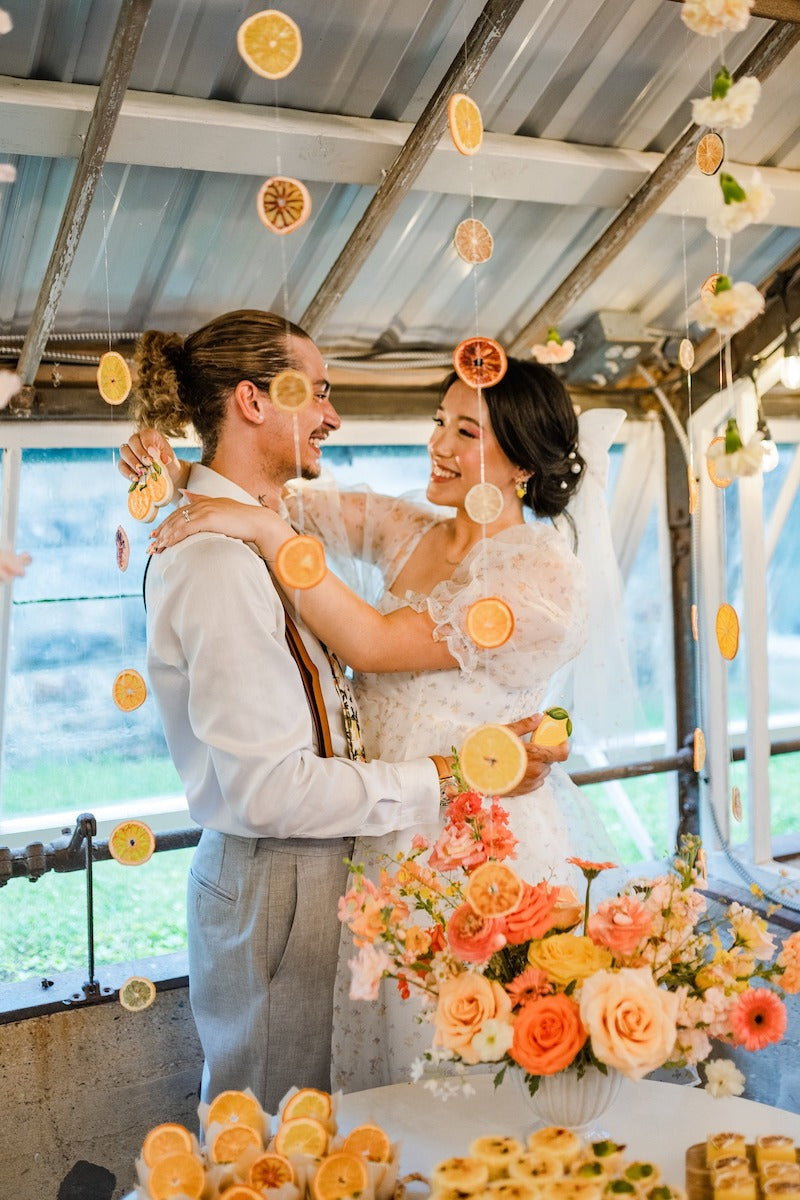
[
  {"x": 270, "y": 43},
  {"x": 709, "y": 153},
  {"x": 493, "y": 759},
  {"x": 176, "y": 1175},
  {"x": 483, "y": 503},
  {"x": 473, "y": 241},
  {"x": 283, "y": 204},
  {"x": 480, "y": 362},
  {"x": 168, "y": 1138},
  {"x": 291, "y": 390},
  {"x": 699, "y": 751},
  {"x": 553, "y": 729},
  {"x": 340, "y": 1176},
  {"x": 113, "y": 378},
  {"x": 131, "y": 843},
  {"x": 465, "y": 123},
  {"x": 727, "y": 629},
  {"x": 489, "y": 622},
  {"x": 129, "y": 690},
  {"x": 137, "y": 993},
  {"x": 300, "y": 562}
]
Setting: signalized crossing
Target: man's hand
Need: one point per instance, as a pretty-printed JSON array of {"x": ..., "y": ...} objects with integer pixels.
[{"x": 539, "y": 757}]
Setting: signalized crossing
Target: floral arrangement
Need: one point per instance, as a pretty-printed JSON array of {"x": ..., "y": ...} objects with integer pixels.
[
  {"x": 709, "y": 17},
  {"x": 734, "y": 458},
  {"x": 554, "y": 349},
  {"x": 730, "y": 105},
  {"x": 728, "y": 308},
  {"x": 527, "y": 976}
]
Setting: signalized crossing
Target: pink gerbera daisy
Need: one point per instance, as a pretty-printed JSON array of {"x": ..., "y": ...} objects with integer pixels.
[
  {"x": 528, "y": 986},
  {"x": 758, "y": 1018}
]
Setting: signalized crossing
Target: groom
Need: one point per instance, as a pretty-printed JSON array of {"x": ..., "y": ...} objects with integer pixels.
[{"x": 253, "y": 718}]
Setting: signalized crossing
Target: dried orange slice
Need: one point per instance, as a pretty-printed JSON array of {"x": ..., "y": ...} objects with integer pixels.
[
  {"x": 699, "y": 753},
  {"x": 727, "y": 628},
  {"x": 553, "y": 729},
  {"x": 159, "y": 486},
  {"x": 340, "y": 1176},
  {"x": 736, "y": 803},
  {"x": 473, "y": 241},
  {"x": 131, "y": 843},
  {"x": 291, "y": 390},
  {"x": 480, "y": 362},
  {"x": 709, "y": 153},
  {"x": 232, "y": 1141},
  {"x": 137, "y": 993},
  {"x": 465, "y": 122},
  {"x": 113, "y": 378},
  {"x": 140, "y": 502},
  {"x": 489, "y": 622},
  {"x": 271, "y": 1170},
  {"x": 284, "y": 204},
  {"x": 371, "y": 1141},
  {"x": 695, "y": 633},
  {"x": 235, "y": 1108},
  {"x": 166, "y": 1139},
  {"x": 718, "y": 480},
  {"x": 270, "y": 43},
  {"x": 686, "y": 354},
  {"x": 493, "y": 890},
  {"x": 300, "y": 562},
  {"x": 301, "y": 1135},
  {"x": 129, "y": 690},
  {"x": 483, "y": 503},
  {"x": 123, "y": 548},
  {"x": 176, "y": 1175},
  {"x": 709, "y": 285},
  {"x": 308, "y": 1102},
  {"x": 493, "y": 759}
]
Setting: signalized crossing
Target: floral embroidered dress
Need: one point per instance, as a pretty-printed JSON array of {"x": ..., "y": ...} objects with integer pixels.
[{"x": 404, "y": 714}]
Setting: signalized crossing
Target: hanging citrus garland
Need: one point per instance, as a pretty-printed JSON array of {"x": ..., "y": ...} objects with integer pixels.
[
  {"x": 113, "y": 378},
  {"x": 283, "y": 204},
  {"x": 739, "y": 208},
  {"x": 473, "y": 241}
]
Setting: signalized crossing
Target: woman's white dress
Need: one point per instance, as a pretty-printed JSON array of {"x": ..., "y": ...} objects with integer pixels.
[{"x": 534, "y": 570}]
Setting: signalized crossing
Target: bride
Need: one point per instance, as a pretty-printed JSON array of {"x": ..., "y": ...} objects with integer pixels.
[{"x": 419, "y": 679}]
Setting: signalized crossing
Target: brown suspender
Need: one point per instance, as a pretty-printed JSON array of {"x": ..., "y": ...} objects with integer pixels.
[{"x": 311, "y": 684}]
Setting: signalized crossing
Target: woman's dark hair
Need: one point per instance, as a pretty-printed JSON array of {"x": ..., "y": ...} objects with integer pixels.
[
  {"x": 535, "y": 424},
  {"x": 189, "y": 381}
]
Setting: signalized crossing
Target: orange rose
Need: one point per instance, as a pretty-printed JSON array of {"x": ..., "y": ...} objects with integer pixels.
[
  {"x": 547, "y": 1034},
  {"x": 631, "y": 1021},
  {"x": 465, "y": 1003},
  {"x": 533, "y": 916}
]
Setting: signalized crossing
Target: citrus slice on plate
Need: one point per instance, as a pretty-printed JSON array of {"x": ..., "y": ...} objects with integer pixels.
[
  {"x": 284, "y": 204},
  {"x": 686, "y": 354},
  {"x": 371, "y": 1141},
  {"x": 179, "y": 1174},
  {"x": 493, "y": 890},
  {"x": 137, "y": 993},
  {"x": 480, "y": 362},
  {"x": 465, "y": 122},
  {"x": 340, "y": 1176},
  {"x": 129, "y": 690},
  {"x": 232, "y": 1141},
  {"x": 709, "y": 153},
  {"x": 489, "y": 622},
  {"x": 709, "y": 285},
  {"x": 168, "y": 1138},
  {"x": 553, "y": 729},
  {"x": 699, "y": 750},
  {"x": 113, "y": 378},
  {"x": 235, "y": 1108},
  {"x": 131, "y": 843},
  {"x": 291, "y": 390},
  {"x": 159, "y": 486},
  {"x": 492, "y": 759},
  {"x": 300, "y": 562},
  {"x": 483, "y": 503},
  {"x": 140, "y": 502},
  {"x": 308, "y": 1102},
  {"x": 727, "y": 629},
  {"x": 271, "y": 1170},
  {"x": 123, "y": 548},
  {"x": 301, "y": 1135},
  {"x": 473, "y": 241},
  {"x": 711, "y": 466},
  {"x": 270, "y": 43}
]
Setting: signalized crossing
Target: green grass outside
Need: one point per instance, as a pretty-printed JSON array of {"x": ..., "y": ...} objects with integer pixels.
[{"x": 77, "y": 784}]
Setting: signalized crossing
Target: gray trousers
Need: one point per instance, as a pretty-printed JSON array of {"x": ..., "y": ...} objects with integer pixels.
[{"x": 263, "y": 937}]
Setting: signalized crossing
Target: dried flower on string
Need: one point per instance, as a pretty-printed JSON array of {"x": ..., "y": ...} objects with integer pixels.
[
  {"x": 729, "y": 308},
  {"x": 732, "y": 458},
  {"x": 554, "y": 350},
  {"x": 730, "y": 105},
  {"x": 740, "y": 208},
  {"x": 7, "y": 173},
  {"x": 10, "y": 384},
  {"x": 709, "y": 17}
]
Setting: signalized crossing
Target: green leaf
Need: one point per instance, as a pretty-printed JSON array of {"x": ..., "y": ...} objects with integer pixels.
[
  {"x": 732, "y": 192},
  {"x": 558, "y": 714},
  {"x": 723, "y": 81},
  {"x": 133, "y": 486},
  {"x": 723, "y": 284},
  {"x": 500, "y": 1076},
  {"x": 733, "y": 439},
  {"x": 554, "y": 336}
]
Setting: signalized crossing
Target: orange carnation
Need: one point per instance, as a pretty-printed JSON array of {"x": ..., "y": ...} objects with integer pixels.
[{"x": 547, "y": 1034}]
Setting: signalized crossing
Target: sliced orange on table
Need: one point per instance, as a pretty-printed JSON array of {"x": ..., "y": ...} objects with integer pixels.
[
  {"x": 270, "y": 43},
  {"x": 137, "y": 993},
  {"x": 301, "y": 1135},
  {"x": 480, "y": 362},
  {"x": 340, "y": 1176},
  {"x": 168, "y": 1138},
  {"x": 113, "y": 378},
  {"x": 308, "y": 1102},
  {"x": 489, "y": 622},
  {"x": 371, "y": 1141},
  {"x": 493, "y": 890},
  {"x": 709, "y": 153},
  {"x": 699, "y": 750},
  {"x": 711, "y": 466},
  {"x": 271, "y": 1170},
  {"x": 232, "y": 1141},
  {"x": 465, "y": 123},
  {"x": 283, "y": 204},
  {"x": 483, "y": 503},
  {"x": 140, "y": 502},
  {"x": 235, "y": 1108},
  {"x": 473, "y": 241},
  {"x": 727, "y": 630},
  {"x": 180, "y": 1174},
  {"x": 554, "y": 728},
  {"x": 129, "y": 690},
  {"x": 291, "y": 390},
  {"x": 300, "y": 562},
  {"x": 493, "y": 759},
  {"x": 131, "y": 843}
]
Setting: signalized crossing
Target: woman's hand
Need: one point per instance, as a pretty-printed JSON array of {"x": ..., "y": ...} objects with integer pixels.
[
  {"x": 206, "y": 514},
  {"x": 146, "y": 446},
  {"x": 539, "y": 757}
]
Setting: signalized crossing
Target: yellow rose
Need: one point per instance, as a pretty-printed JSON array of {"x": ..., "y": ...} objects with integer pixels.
[
  {"x": 631, "y": 1021},
  {"x": 565, "y": 956},
  {"x": 465, "y": 1003}
]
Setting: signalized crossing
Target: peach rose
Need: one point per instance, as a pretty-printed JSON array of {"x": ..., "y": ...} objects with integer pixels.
[
  {"x": 474, "y": 938},
  {"x": 631, "y": 1021},
  {"x": 466, "y": 1002},
  {"x": 533, "y": 916},
  {"x": 568, "y": 911},
  {"x": 566, "y": 956},
  {"x": 620, "y": 924},
  {"x": 547, "y": 1034}
]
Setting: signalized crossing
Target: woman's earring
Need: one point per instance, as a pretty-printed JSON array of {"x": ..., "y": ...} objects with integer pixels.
[{"x": 521, "y": 488}]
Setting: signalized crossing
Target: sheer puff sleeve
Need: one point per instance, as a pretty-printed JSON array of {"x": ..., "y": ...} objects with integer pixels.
[{"x": 532, "y": 568}]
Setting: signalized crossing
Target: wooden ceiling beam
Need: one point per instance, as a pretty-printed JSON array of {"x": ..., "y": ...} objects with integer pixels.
[{"x": 772, "y": 10}]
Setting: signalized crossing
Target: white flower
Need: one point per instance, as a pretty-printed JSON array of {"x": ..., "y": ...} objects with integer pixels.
[
  {"x": 747, "y": 460},
  {"x": 492, "y": 1040},
  {"x": 723, "y": 1078},
  {"x": 731, "y": 218},
  {"x": 10, "y": 384},
  {"x": 734, "y": 110},
  {"x": 6, "y": 24},
  {"x": 7, "y": 173},
  {"x": 553, "y": 351},
  {"x": 708, "y": 17},
  {"x": 729, "y": 310},
  {"x": 367, "y": 971}
]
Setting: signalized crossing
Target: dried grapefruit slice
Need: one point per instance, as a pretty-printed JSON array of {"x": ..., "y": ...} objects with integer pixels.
[
  {"x": 168, "y": 1138},
  {"x": 718, "y": 480},
  {"x": 131, "y": 843},
  {"x": 140, "y": 502},
  {"x": 493, "y": 759},
  {"x": 301, "y": 1135},
  {"x": 137, "y": 993},
  {"x": 473, "y": 241},
  {"x": 699, "y": 750},
  {"x": 284, "y": 204},
  {"x": 340, "y": 1176},
  {"x": 709, "y": 153},
  {"x": 308, "y": 1102},
  {"x": 291, "y": 390},
  {"x": 123, "y": 548},
  {"x": 465, "y": 122},
  {"x": 113, "y": 378},
  {"x": 176, "y": 1175},
  {"x": 480, "y": 362},
  {"x": 489, "y": 622},
  {"x": 727, "y": 629},
  {"x": 483, "y": 503},
  {"x": 300, "y": 562},
  {"x": 129, "y": 690},
  {"x": 235, "y": 1108},
  {"x": 553, "y": 729},
  {"x": 270, "y": 43},
  {"x": 371, "y": 1141},
  {"x": 271, "y": 1170}
]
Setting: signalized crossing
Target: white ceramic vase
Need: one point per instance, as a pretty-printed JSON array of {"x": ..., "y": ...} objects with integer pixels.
[{"x": 566, "y": 1100}]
